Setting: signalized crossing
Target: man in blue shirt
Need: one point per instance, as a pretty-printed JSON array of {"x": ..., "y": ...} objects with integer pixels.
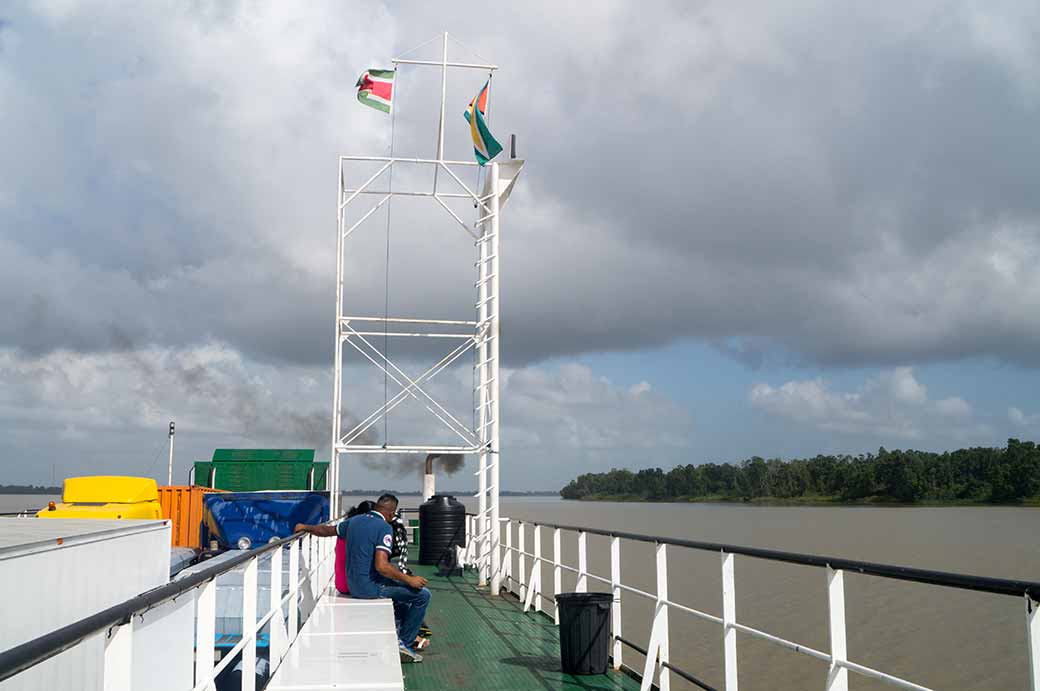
[{"x": 370, "y": 574}]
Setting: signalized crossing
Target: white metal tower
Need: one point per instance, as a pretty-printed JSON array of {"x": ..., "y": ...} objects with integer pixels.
[{"x": 479, "y": 336}]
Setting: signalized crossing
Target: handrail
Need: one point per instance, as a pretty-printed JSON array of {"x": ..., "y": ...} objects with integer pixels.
[
  {"x": 527, "y": 585},
  {"x": 29, "y": 654},
  {"x": 986, "y": 584}
]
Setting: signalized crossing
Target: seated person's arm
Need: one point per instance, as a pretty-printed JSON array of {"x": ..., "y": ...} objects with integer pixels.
[
  {"x": 385, "y": 568},
  {"x": 318, "y": 530}
]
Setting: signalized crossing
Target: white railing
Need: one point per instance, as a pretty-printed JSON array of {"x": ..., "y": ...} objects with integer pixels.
[
  {"x": 310, "y": 571},
  {"x": 527, "y": 586}
]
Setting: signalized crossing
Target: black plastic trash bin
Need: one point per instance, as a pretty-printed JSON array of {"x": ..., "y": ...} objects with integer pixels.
[{"x": 584, "y": 632}]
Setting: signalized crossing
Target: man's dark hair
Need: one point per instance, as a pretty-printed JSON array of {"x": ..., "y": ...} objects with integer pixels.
[{"x": 388, "y": 501}]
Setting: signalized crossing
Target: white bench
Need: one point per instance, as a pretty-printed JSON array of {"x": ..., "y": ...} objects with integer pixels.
[{"x": 345, "y": 644}]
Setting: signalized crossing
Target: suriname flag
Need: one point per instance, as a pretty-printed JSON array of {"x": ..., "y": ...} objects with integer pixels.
[
  {"x": 376, "y": 89},
  {"x": 485, "y": 147}
]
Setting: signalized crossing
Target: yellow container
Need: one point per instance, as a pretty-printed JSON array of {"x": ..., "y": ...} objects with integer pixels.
[
  {"x": 183, "y": 506},
  {"x": 106, "y": 496}
]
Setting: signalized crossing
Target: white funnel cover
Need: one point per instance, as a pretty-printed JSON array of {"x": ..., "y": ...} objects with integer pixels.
[{"x": 508, "y": 172}]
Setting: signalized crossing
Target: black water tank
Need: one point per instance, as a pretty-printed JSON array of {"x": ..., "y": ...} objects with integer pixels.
[{"x": 442, "y": 527}]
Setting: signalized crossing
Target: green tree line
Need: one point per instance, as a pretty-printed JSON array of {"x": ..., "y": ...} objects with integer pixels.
[{"x": 997, "y": 475}]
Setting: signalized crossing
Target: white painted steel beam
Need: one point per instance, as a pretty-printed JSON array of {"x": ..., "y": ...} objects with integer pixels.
[
  {"x": 557, "y": 575},
  {"x": 119, "y": 658},
  {"x": 615, "y": 589},
  {"x": 729, "y": 617},
  {"x": 205, "y": 631},
  {"x": 1033, "y": 641},
  {"x": 249, "y": 625},
  {"x": 582, "y": 584},
  {"x": 837, "y": 674},
  {"x": 492, "y": 385}
]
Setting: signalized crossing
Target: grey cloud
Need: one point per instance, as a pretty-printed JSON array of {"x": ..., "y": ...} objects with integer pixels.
[{"x": 822, "y": 183}]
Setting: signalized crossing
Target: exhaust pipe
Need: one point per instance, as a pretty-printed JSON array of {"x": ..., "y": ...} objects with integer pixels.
[{"x": 429, "y": 484}]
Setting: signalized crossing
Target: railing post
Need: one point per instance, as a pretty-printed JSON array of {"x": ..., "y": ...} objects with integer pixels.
[
  {"x": 521, "y": 561},
  {"x": 664, "y": 676},
  {"x": 471, "y": 537},
  {"x": 615, "y": 587},
  {"x": 1033, "y": 639},
  {"x": 205, "y": 630},
  {"x": 557, "y": 575},
  {"x": 729, "y": 617},
  {"x": 534, "y": 586},
  {"x": 508, "y": 556},
  {"x": 583, "y": 563},
  {"x": 277, "y": 625},
  {"x": 294, "y": 590},
  {"x": 657, "y": 648},
  {"x": 249, "y": 625},
  {"x": 119, "y": 658},
  {"x": 837, "y": 676}
]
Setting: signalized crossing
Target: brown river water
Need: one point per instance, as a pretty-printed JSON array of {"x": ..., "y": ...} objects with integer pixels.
[{"x": 942, "y": 638}]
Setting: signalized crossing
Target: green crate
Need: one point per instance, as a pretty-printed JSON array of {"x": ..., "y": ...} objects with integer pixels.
[{"x": 250, "y": 470}]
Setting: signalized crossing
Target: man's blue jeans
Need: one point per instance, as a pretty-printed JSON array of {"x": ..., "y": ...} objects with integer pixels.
[{"x": 409, "y": 609}]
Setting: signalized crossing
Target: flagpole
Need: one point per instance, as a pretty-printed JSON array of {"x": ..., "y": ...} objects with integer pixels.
[{"x": 444, "y": 95}]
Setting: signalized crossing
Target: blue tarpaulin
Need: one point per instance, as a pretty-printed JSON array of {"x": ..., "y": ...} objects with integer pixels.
[{"x": 260, "y": 516}]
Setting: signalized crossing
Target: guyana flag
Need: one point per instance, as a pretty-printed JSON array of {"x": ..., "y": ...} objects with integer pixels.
[
  {"x": 485, "y": 147},
  {"x": 376, "y": 89}
]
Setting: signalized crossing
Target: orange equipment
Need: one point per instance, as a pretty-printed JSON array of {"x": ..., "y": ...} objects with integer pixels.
[{"x": 183, "y": 505}]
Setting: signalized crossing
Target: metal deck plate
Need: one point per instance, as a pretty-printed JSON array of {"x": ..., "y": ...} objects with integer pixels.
[{"x": 487, "y": 643}]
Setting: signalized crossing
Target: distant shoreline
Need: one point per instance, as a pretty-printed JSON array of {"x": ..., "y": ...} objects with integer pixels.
[
  {"x": 796, "y": 501},
  {"x": 28, "y": 489}
]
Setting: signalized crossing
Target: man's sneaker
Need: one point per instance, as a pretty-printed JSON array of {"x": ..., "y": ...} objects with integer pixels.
[{"x": 407, "y": 654}]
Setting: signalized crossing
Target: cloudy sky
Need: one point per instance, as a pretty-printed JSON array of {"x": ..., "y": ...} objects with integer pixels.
[{"x": 744, "y": 228}]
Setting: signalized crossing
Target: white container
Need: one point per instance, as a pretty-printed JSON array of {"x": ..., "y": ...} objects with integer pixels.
[{"x": 54, "y": 572}]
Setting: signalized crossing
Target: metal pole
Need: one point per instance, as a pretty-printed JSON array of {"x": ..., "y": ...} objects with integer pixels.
[
  {"x": 615, "y": 588},
  {"x": 249, "y": 587},
  {"x": 729, "y": 617},
  {"x": 496, "y": 456},
  {"x": 663, "y": 675},
  {"x": 337, "y": 384},
  {"x": 1033, "y": 641},
  {"x": 484, "y": 437},
  {"x": 169, "y": 469},
  {"x": 557, "y": 575},
  {"x": 837, "y": 676},
  {"x": 440, "y": 124}
]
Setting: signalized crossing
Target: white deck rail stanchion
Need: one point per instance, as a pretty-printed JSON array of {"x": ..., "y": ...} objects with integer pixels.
[
  {"x": 615, "y": 605},
  {"x": 582, "y": 585},
  {"x": 557, "y": 575},
  {"x": 205, "y": 630},
  {"x": 1033, "y": 638},
  {"x": 507, "y": 556},
  {"x": 119, "y": 658},
  {"x": 837, "y": 674},
  {"x": 249, "y": 624},
  {"x": 729, "y": 618},
  {"x": 277, "y": 626},
  {"x": 521, "y": 560},
  {"x": 294, "y": 591}
]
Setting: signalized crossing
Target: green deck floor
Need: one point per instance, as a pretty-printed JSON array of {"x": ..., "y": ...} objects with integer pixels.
[{"x": 486, "y": 643}]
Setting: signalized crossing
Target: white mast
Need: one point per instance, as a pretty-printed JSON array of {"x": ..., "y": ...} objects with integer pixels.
[{"x": 357, "y": 182}]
